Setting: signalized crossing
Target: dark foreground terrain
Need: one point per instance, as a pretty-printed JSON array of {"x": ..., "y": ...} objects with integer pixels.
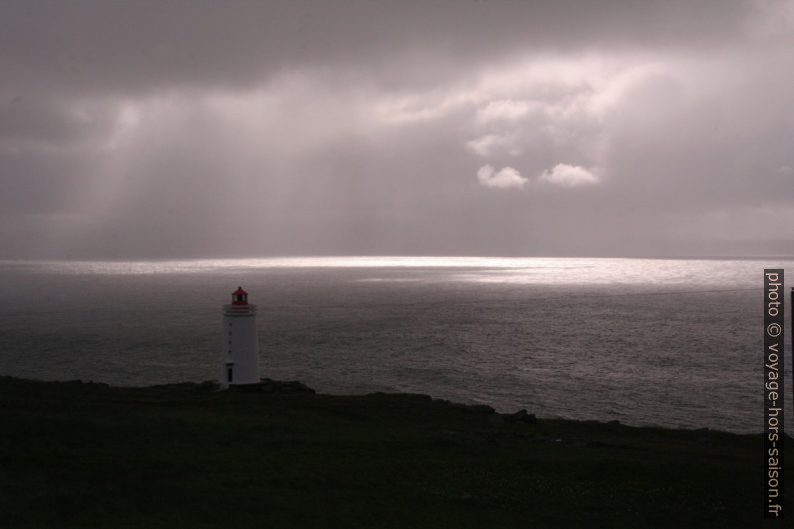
[{"x": 89, "y": 455}]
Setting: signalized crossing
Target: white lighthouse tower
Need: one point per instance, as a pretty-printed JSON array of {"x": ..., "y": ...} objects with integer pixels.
[{"x": 240, "y": 344}]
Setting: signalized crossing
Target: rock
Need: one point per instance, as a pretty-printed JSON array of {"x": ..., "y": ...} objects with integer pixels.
[
  {"x": 475, "y": 408},
  {"x": 290, "y": 387},
  {"x": 409, "y": 396},
  {"x": 481, "y": 408},
  {"x": 419, "y": 396},
  {"x": 522, "y": 416},
  {"x": 79, "y": 382}
]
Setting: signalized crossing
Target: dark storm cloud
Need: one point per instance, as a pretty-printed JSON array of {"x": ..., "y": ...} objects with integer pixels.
[
  {"x": 150, "y": 129},
  {"x": 98, "y": 46}
]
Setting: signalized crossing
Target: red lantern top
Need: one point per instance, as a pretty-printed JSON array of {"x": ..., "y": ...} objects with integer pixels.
[{"x": 239, "y": 297}]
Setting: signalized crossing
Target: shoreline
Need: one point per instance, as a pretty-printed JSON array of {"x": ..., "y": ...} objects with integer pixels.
[{"x": 205, "y": 385}]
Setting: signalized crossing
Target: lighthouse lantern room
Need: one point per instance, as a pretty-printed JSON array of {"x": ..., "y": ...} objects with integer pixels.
[{"x": 240, "y": 343}]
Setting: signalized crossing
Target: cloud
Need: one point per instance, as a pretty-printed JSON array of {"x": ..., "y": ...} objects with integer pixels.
[
  {"x": 214, "y": 123},
  {"x": 421, "y": 108},
  {"x": 562, "y": 174},
  {"x": 569, "y": 175},
  {"x": 95, "y": 46},
  {"x": 506, "y": 110},
  {"x": 505, "y": 178},
  {"x": 490, "y": 144}
]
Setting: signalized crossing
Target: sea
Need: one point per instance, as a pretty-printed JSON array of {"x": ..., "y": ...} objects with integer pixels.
[{"x": 665, "y": 342}]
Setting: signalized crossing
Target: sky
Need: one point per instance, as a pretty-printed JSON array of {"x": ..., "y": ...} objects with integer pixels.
[{"x": 146, "y": 130}]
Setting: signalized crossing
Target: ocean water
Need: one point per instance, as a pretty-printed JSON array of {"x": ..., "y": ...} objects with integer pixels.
[{"x": 676, "y": 343}]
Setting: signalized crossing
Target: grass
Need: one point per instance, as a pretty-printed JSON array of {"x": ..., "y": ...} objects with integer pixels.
[{"x": 90, "y": 455}]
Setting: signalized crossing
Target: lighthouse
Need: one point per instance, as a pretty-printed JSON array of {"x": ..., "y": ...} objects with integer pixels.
[{"x": 240, "y": 344}]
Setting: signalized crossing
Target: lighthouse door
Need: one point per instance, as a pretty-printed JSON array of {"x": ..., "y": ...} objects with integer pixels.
[{"x": 229, "y": 373}]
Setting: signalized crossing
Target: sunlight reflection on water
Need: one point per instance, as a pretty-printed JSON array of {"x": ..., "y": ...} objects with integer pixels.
[{"x": 526, "y": 270}]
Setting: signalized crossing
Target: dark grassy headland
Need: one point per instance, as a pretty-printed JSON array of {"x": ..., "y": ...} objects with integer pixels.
[{"x": 90, "y": 455}]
